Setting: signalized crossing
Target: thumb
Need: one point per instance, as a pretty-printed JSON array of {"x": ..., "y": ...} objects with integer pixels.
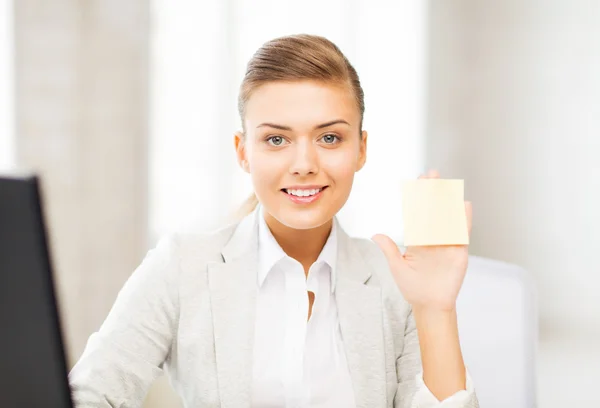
[{"x": 389, "y": 248}]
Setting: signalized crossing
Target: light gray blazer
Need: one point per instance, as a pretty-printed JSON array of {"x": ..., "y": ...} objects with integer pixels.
[{"x": 189, "y": 309}]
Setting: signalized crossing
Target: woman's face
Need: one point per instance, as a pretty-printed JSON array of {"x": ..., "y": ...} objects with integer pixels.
[{"x": 302, "y": 148}]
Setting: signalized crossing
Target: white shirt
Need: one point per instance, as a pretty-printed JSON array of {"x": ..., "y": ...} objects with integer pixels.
[{"x": 299, "y": 363}]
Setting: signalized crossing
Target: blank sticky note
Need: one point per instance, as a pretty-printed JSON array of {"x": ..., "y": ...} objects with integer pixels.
[{"x": 433, "y": 211}]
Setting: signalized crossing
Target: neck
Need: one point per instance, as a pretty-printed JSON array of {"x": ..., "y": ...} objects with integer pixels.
[{"x": 303, "y": 245}]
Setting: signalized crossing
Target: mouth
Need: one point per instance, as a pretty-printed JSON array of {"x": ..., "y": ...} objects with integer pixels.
[
  {"x": 303, "y": 192},
  {"x": 304, "y": 195}
]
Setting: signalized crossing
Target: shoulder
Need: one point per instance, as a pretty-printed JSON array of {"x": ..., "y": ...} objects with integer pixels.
[{"x": 196, "y": 246}]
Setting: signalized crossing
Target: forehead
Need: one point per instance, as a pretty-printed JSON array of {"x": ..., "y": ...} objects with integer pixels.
[{"x": 302, "y": 103}]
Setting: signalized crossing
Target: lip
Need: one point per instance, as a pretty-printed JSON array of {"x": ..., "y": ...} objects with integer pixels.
[
  {"x": 304, "y": 200},
  {"x": 308, "y": 187}
]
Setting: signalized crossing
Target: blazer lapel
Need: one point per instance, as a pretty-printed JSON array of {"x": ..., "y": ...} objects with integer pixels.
[
  {"x": 361, "y": 322},
  {"x": 233, "y": 290}
]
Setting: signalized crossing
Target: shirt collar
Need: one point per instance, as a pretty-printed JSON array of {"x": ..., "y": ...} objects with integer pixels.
[{"x": 270, "y": 252}]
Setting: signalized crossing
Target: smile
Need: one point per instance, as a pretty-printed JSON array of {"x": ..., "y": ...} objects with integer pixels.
[
  {"x": 303, "y": 193},
  {"x": 303, "y": 196}
]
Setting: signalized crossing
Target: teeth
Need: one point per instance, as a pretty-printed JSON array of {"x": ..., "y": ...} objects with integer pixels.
[{"x": 303, "y": 193}]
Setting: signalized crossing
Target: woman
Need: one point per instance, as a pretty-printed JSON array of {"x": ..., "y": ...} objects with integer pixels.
[{"x": 283, "y": 309}]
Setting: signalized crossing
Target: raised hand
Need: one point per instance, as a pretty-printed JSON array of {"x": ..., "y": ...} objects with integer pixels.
[{"x": 429, "y": 277}]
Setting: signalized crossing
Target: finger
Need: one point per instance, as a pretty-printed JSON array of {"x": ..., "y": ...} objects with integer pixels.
[
  {"x": 433, "y": 173},
  {"x": 389, "y": 247},
  {"x": 426, "y": 175},
  {"x": 469, "y": 212}
]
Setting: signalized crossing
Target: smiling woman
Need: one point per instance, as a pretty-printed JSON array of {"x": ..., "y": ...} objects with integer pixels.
[
  {"x": 284, "y": 308},
  {"x": 302, "y": 136}
]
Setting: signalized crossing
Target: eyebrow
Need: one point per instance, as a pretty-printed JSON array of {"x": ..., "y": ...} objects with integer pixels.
[{"x": 321, "y": 126}]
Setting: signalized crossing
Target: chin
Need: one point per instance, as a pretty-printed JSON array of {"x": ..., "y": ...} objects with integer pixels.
[{"x": 304, "y": 218}]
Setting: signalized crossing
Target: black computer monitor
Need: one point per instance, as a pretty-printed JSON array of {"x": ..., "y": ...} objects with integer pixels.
[{"x": 33, "y": 369}]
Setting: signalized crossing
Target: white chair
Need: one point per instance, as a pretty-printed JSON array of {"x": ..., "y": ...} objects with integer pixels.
[{"x": 497, "y": 320}]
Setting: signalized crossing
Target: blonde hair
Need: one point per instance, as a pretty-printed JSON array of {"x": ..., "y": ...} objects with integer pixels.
[{"x": 295, "y": 58}]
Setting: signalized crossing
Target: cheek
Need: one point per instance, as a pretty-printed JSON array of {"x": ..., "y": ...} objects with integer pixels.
[
  {"x": 341, "y": 166},
  {"x": 266, "y": 168}
]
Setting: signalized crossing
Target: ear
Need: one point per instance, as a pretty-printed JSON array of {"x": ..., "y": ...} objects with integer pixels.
[
  {"x": 362, "y": 154},
  {"x": 240, "y": 150}
]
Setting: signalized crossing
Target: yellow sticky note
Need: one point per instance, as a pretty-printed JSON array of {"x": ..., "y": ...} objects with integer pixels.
[{"x": 433, "y": 211}]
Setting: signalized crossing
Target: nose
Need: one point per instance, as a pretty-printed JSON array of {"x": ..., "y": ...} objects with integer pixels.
[{"x": 305, "y": 160}]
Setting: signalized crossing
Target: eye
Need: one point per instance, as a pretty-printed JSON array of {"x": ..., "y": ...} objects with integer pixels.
[
  {"x": 275, "y": 140},
  {"x": 330, "y": 138}
]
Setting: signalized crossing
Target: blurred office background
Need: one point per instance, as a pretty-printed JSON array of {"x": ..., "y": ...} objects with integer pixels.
[{"x": 128, "y": 108}]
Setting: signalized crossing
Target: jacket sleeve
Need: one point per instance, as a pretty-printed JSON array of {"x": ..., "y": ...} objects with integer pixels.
[
  {"x": 412, "y": 391},
  {"x": 123, "y": 358}
]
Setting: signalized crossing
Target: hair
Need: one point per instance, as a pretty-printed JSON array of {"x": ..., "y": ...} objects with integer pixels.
[{"x": 296, "y": 58}]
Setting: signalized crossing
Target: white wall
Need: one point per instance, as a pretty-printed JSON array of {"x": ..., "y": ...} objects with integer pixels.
[
  {"x": 514, "y": 108},
  {"x": 7, "y": 153}
]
